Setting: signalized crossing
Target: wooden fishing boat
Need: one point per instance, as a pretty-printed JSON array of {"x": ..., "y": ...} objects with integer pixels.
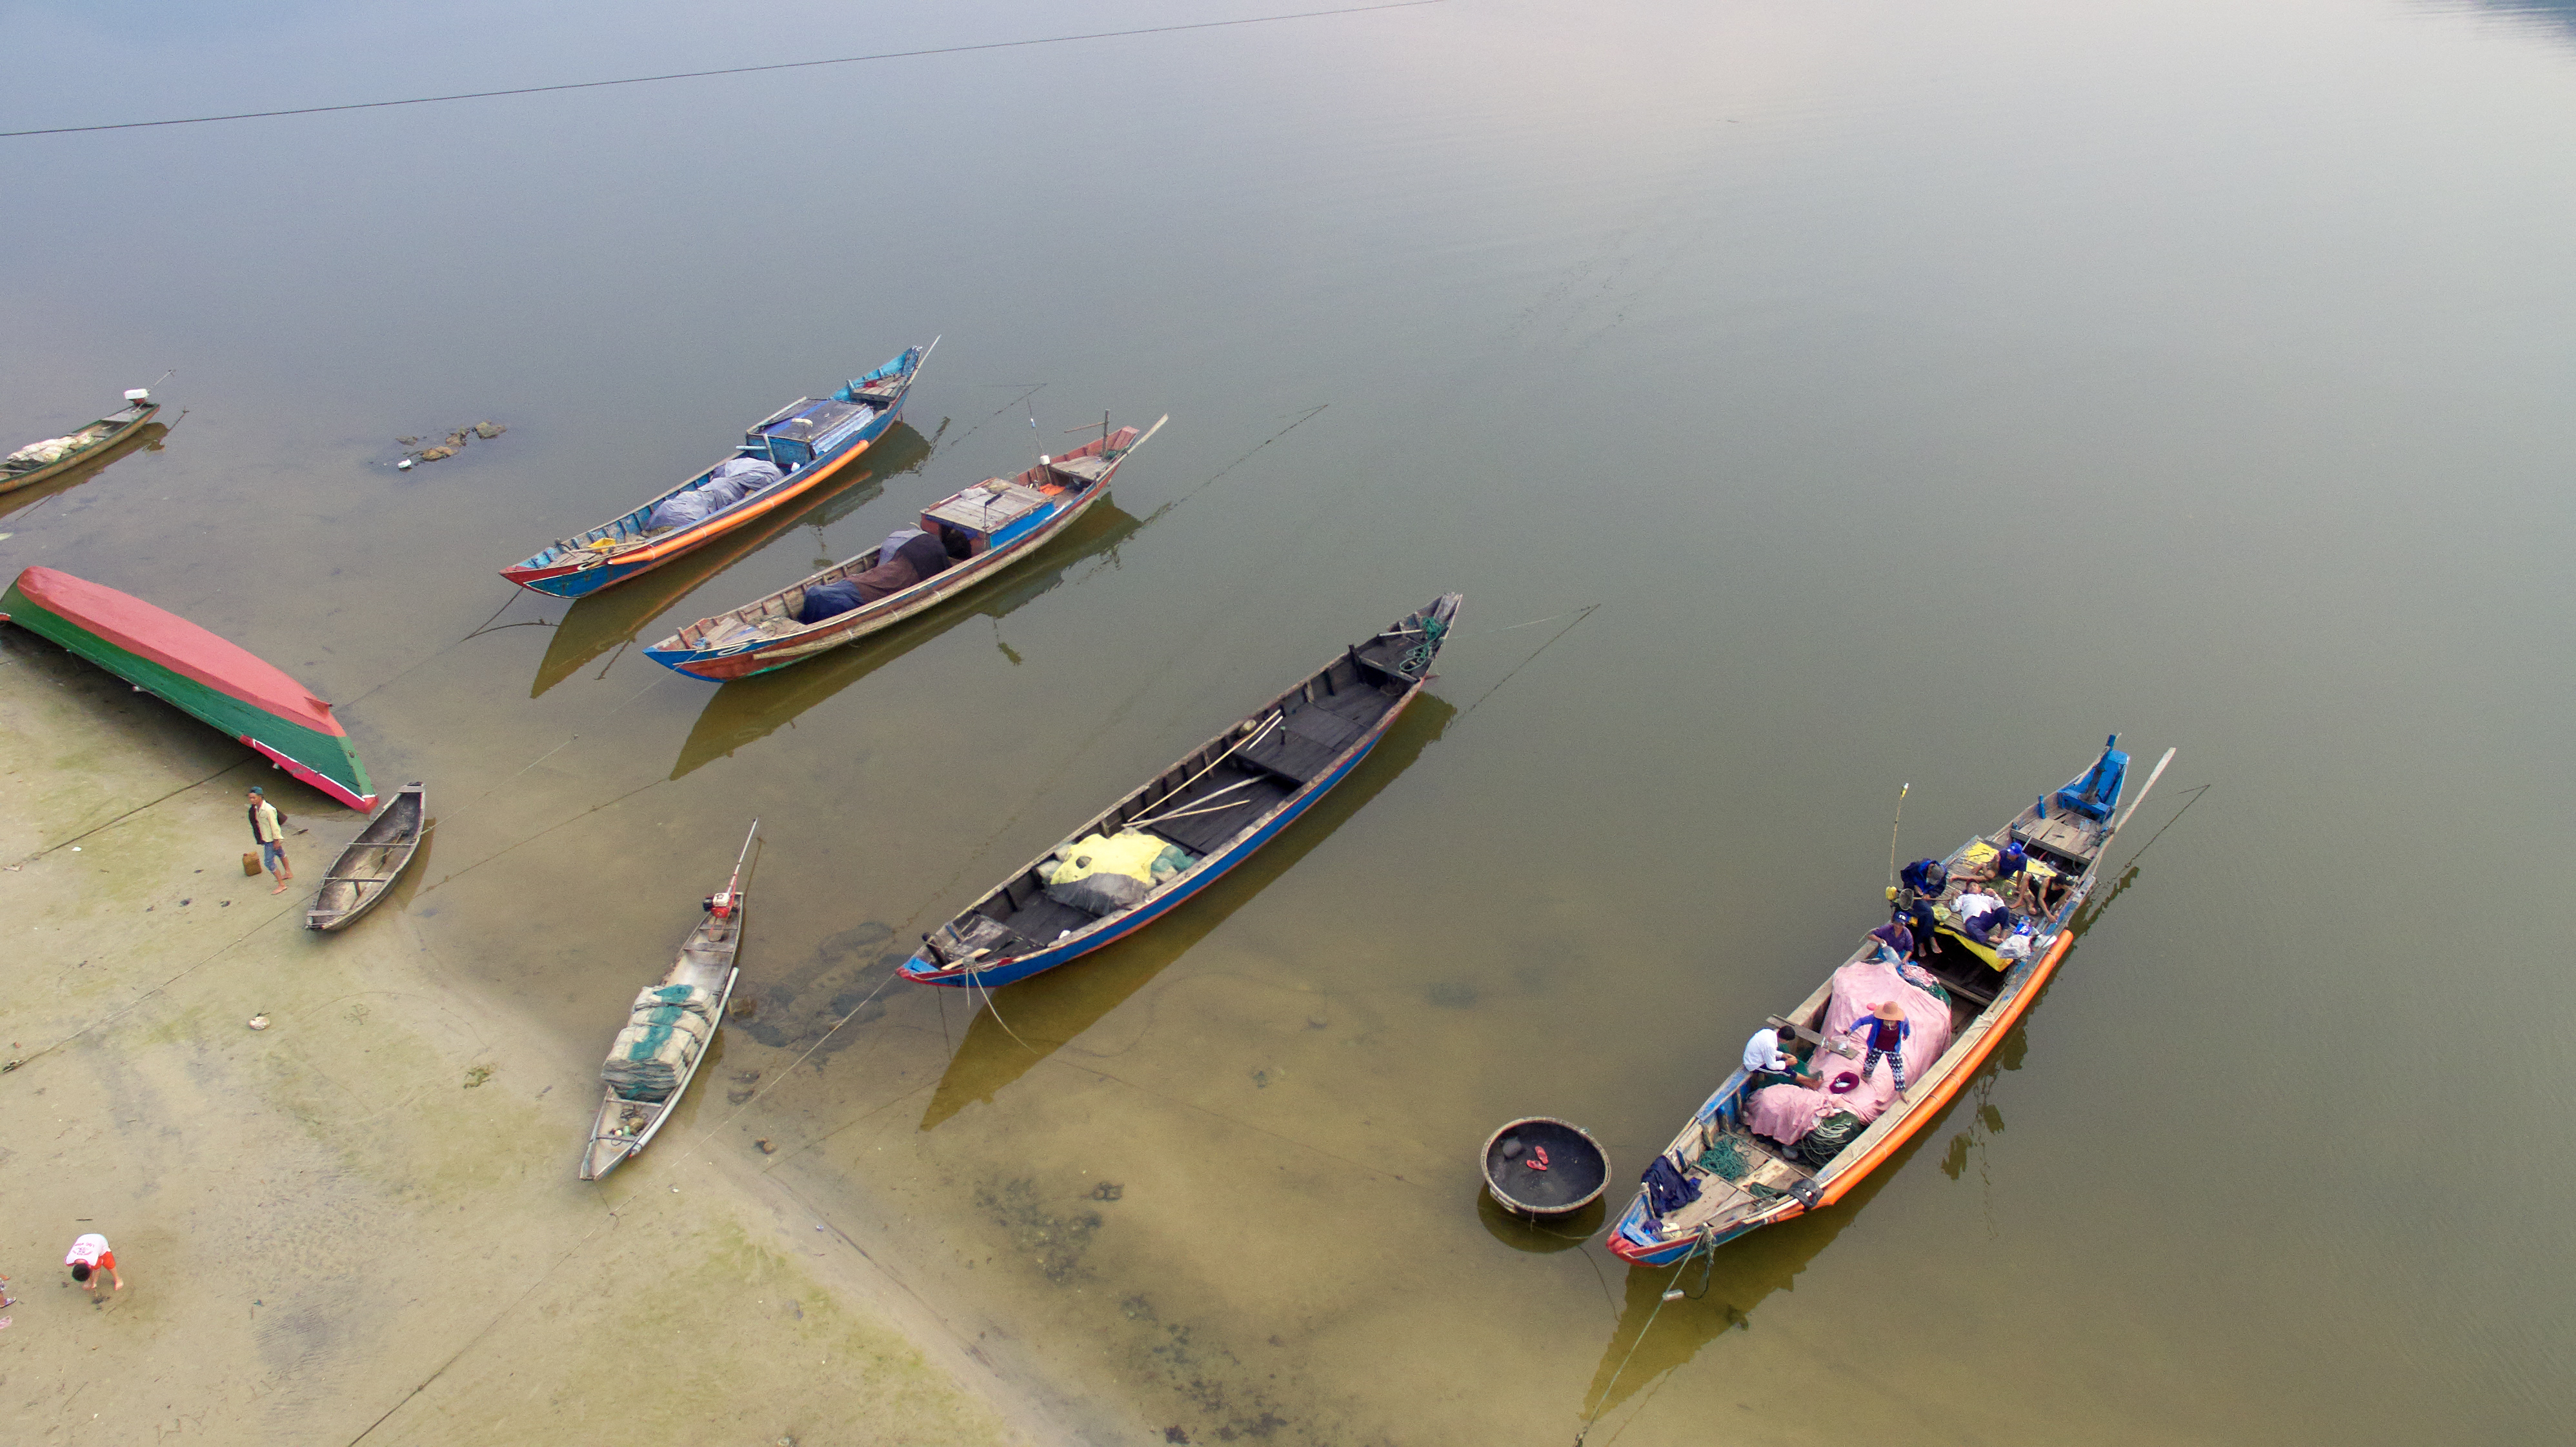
[
  {"x": 1200, "y": 817},
  {"x": 808, "y": 442},
  {"x": 365, "y": 871},
  {"x": 222, "y": 683},
  {"x": 1745, "y": 1180},
  {"x": 42, "y": 461},
  {"x": 994, "y": 524},
  {"x": 670, "y": 1032}
]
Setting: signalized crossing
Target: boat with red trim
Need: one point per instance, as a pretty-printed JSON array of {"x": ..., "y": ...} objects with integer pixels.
[
  {"x": 1758, "y": 1156},
  {"x": 1140, "y": 858},
  {"x": 784, "y": 456},
  {"x": 173, "y": 659},
  {"x": 974, "y": 534}
]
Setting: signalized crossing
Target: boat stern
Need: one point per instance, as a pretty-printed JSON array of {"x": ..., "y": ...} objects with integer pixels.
[{"x": 713, "y": 665}]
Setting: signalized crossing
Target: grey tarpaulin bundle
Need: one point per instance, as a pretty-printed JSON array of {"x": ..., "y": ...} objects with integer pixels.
[{"x": 670, "y": 1025}]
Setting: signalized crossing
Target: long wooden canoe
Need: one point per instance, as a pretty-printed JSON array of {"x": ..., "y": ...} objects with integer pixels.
[
  {"x": 95, "y": 442},
  {"x": 810, "y": 441},
  {"x": 705, "y": 972},
  {"x": 1219, "y": 803},
  {"x": 220, "y": 682},
  {"x": 998, "y": 522},
  {"x": 1766, "y": 1181},
  {"x": 365, "y": 871}
]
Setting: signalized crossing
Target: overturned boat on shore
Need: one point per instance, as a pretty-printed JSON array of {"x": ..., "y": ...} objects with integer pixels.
[
  {"x": 180, "y": 663},
  {"x": 1171, "y": 837},
  {"x": 1764, "y": 1149}
]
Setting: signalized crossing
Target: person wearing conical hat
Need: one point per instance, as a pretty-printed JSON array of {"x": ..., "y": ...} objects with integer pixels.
[{"x": 1884, "y": 1030}]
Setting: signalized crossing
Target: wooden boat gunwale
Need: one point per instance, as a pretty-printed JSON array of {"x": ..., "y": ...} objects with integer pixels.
[
  {"x": 1932, "y": 1090},
  {"x": 122, "y": 428},
  {"x": 408, "y": 843},
  {"x": 929, "y": 968},
  {"x": 710, "y": 936},
  {"x": 579, "y": 576},
  {"x": 686, "y": 650}
]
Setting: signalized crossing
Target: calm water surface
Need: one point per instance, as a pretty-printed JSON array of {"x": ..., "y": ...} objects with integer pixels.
[{"x": 1922, "y": 393}]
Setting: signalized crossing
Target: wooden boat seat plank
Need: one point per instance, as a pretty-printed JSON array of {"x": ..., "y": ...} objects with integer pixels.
[
  {"x": 1199, "y": 833},
  {"x": 1043, "y": 919}
]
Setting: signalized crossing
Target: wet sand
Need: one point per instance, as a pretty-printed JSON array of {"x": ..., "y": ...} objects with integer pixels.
[{"x": 364, "y": 1219}]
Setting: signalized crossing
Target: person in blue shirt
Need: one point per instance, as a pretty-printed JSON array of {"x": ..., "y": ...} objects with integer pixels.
[{"x": 1884, "y": 1030}]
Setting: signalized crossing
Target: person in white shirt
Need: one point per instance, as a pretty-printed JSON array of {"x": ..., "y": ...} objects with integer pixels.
[
  {"x": 1769, "y": 1061},
  {"x": 1980, "y": 916},
  {"x": 91, "y": 1255}
]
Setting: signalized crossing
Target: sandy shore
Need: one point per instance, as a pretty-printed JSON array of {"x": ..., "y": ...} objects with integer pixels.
[{"x": 362, "y": 1221}]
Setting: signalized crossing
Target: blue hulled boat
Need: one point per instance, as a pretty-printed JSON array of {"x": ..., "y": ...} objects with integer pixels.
[
  {"x": 787, "y": 455},
  {"x": 1762, "y": 1151},
  {"x": 1139, "y": 859}
]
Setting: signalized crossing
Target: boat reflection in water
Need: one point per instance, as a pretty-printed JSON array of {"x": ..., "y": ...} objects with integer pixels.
[
  {"x": 146, "y": 438},
  {"x": 612, "y": 617},
  {"x": 748, "y": 710},
  {"x": 1051, "y": 1009}
]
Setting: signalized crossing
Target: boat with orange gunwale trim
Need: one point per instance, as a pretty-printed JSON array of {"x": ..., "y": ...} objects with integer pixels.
[
  {"x": 785, "y": 456},
  {"x": 1738, "y": 1180}
]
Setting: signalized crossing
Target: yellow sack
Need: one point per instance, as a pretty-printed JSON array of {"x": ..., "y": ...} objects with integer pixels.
[
  {"x": 1977, "y": 855},
  {"x": 1131, "y": 853}
]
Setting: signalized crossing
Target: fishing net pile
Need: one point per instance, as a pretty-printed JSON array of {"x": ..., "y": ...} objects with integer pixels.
[
  {"x": 669, "y": 1026},
  {"x": 1108, "y": 874},
  {"x": 1789, "y": 1113},
  {"x": 47, "y": 452},
  {"x": 727, "y": 485}
]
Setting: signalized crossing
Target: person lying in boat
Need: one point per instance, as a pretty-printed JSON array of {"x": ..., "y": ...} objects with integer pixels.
[{"x": 1982, "y": 917}]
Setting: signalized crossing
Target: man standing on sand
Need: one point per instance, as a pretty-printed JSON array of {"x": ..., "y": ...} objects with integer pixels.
[
  {"x": 90, "y": 1256},
  {"x": 271, "y": 837}
]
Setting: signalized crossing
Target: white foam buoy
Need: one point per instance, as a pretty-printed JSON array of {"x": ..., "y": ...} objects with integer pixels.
[{"x": 403, "y": 466}]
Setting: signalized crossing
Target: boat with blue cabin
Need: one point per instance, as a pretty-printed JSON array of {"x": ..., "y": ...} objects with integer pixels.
[
  {"x": 785, "y": 456},
  {"x": 971, "y": 536},
  {"x": 1142, "y": 857},
  {"x": 1769, "y": 1148}
]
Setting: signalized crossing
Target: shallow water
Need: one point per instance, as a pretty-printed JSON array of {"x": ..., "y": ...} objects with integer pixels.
[{"x": 1922, "y": 393}]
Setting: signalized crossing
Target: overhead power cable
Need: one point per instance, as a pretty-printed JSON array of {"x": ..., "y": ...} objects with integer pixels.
[{"x": 423, "y": 100}]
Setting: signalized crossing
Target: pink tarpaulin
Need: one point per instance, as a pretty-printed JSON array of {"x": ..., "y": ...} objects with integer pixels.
[{"x": 1788, "y": 1112}]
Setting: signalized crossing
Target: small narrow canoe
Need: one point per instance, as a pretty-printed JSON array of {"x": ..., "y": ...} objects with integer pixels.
[
  {"x": 997, "y": 522},
  {"x": 670, "y": 1032},
  {"x": 809, "y": 441},
  {"x": 365, "y": 871},
  {"x": 1222, "y": 801},
  {"x": 173, "y": 659},
  {"x": 39, "y": 461},
  {"x": 1752, "y": 1179}
]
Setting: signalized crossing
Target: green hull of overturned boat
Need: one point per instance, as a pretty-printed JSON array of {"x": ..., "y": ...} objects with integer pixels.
[{"x": 171, "y": 658}]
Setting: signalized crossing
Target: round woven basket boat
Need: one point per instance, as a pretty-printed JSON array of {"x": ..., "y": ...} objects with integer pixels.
[{"x": 1576, "y": 1170}]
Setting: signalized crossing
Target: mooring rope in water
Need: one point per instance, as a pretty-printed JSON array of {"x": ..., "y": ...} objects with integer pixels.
[
  {"x": 1670, "y": 1292},
  {"x": 1580, "y": 614}
]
